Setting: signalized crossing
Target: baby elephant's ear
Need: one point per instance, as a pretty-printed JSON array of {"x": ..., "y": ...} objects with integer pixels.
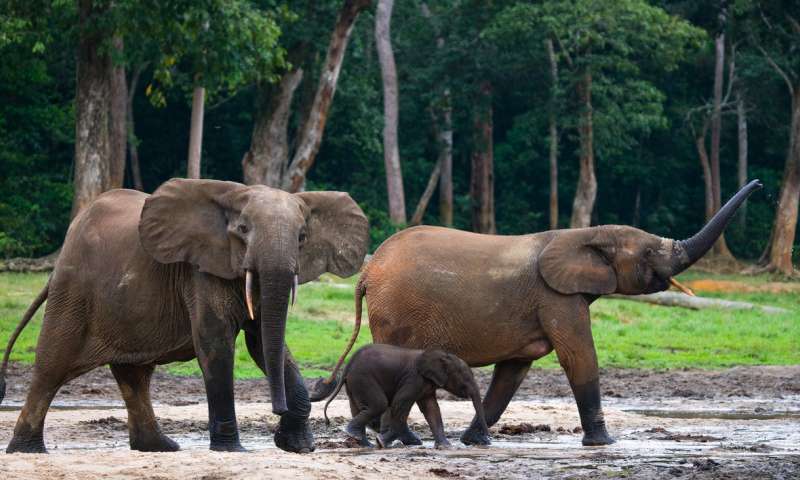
[{"x": 433, "y": 366}]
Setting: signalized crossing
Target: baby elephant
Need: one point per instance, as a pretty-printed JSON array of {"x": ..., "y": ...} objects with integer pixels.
[{"x": 384, "y": 381}]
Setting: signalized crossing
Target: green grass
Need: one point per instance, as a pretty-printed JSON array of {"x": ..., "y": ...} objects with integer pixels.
[{"x": 627, "y": 334}]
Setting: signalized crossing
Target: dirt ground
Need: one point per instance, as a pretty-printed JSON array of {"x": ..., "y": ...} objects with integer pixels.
[{"x": 741, "y": 422}]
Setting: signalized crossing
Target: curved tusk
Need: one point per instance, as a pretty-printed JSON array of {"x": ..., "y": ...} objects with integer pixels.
[
  {"x": 248, "y": 293},
  {"x": 294, "y": 288},
  {"x": 682, "y": 288}
]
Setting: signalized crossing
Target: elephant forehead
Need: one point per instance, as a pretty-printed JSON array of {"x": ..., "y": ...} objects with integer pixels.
[{"x": 665, "y": 246}]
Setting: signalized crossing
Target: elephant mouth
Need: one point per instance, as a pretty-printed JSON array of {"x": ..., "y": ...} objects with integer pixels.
[{"x": 248, "y": 292}]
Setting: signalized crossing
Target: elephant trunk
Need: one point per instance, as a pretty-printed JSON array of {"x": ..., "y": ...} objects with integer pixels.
[
  {"x": 692, "y": 249},
  {"x": 275, "y": 286}
]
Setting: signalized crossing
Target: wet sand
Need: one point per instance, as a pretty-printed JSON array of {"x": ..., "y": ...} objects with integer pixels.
[{"x": 735, "y": 423}]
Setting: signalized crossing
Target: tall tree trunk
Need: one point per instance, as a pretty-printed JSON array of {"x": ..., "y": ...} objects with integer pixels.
[
  {"x": 586, "y": 193},
  {"x": 196, "y": 133},
  {"x": 391, "y": 150},
  {"x": 785, "y": 223},
  {"x": 445, "y": 141},
  {"x": 482, "y": 177},
  {"x": 419, "y": 212},
  {"x": 741, "y": 134},
  {"x": 268, "y": 157},
  {"x": 702, "y": 154},
  {"x": 92, "y": 102},
  {"x": 310, "y": 135},
  {"x": 720, "y": 247},
  {"x": 133, "y": 143},
  {"x": 553, "y": 158},
  {"x": 118, "y": 116}
]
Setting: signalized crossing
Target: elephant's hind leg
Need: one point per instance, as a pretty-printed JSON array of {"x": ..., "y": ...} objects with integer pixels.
[
  {"x": 506, "y": 379},
  {"x": 143, "y": 430},
  {"x": 29, "y": 430}
]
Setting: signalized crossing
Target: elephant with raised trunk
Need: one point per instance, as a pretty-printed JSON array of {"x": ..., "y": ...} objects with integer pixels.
[
  {"x": 510, "y": 300},
  {"x": 151, "y": 279}
]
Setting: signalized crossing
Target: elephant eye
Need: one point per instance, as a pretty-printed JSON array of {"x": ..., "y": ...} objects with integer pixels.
[
  {"x": 242, "y": 228},
  {"x": 302, "y": 238}
]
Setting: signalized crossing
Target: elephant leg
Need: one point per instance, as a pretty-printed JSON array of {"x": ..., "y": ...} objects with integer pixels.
[
  {"x": 29, "y": 430},
  {"x": 430, "y": 408},
  {"x": 143, "y": 430},
  {"x": 404, "y": 434},
  {"x": 294, "y": 432},
  {"x": 213, "y": 340},
  {"x": 574, "y": 346},
  {"x": 506, "y": 379},
  {"x": 371, "y": 402}
]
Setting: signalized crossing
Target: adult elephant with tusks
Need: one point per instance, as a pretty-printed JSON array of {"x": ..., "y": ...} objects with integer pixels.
[
  {"x": 509, "y": 300},
  {"x": 150, "y": 279}
]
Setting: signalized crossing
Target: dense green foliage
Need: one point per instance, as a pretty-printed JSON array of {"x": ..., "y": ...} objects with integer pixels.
[
  {"x": 627, "y": 334},
  {"x": 654, "y": 62}
]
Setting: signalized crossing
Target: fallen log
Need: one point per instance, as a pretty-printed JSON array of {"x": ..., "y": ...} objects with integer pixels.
[
  {"x": 29, "y": 265},
  {"x": 675, "y": 299}
]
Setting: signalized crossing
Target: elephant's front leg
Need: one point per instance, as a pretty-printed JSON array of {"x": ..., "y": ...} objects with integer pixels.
[
  {"x": 293, "y": 433},
  {"x": 569, "y": 330},
  {"x": 214, "y": 346}
]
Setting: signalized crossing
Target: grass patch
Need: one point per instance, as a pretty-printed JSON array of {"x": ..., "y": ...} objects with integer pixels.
[{"x": 627, "y": 334}]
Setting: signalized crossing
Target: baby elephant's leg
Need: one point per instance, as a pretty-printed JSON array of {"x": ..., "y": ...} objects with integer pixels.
[
  {"x": 430, "y": 408},
  {"x": 371, "y": 403},
  {"x": 404, "y": 434},
  {"x": 397, "y": 417}
]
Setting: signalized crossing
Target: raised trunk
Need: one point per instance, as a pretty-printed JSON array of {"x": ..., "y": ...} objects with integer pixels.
[
  {"x": 196, "y": 132},
  {"x": 391, "y": 150},
  {"x": 310, "y": 135},
  {"x": 92, "y": 99},
  {"x": 275, "y": 287},
  {"x": 586, "y": 192},
  {"x": 118, "y": 117},
  {"x": 482, "y": 176},
  {"x": 553, "y": 157},
  {"x": 266, "y": 161},
  {"x": 741, "y": 135},
  {"x": 691, "y": 250},
  {"x": 784, "y": 226}
]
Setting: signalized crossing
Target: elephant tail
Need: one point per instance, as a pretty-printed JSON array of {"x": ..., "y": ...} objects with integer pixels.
[
  {"x": 322, "y": 388},
  {"x": 22, "y": 324},
  {"x": 333, "y": 395}
]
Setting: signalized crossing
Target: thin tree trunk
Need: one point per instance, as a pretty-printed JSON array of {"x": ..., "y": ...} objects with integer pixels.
[
  {"x": 118, "y": 116},
  {"x": 720, "y": 247},
  {"x": 553, "y": 158},
  {"x": 133, "y": 143},
  {"x": 419, "y": 212},
  {"x": 196, "y": 133},
  {"x": 482, "y": 177},
  {"x": 391, "y": 150},
  {"x": 785, "y": 223},
  {"x": 637, "y": 207},
  {"x": 266, "y": 161},
  {"x": 586, "y": 193},
  {"x": 741, "y": 170},
  {"x": 310, "y": 136},
  {"x": 702, "y": 154},
  {"x": 92, "y": 101}
]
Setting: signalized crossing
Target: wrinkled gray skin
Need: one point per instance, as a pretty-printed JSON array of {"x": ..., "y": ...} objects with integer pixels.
[
  {"x": 144, "y": 280},
  {"x": 510, "y": 300},
  {"x": 385, "y": 381}
]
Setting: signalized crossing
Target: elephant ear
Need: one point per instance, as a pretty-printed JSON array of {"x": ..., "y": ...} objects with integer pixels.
[
  {"x": 186, "y": 221},
  {"x": 574, "y": 262},
  {"x": 433, "y": 366},
  {"x": 337, "y": 235}
]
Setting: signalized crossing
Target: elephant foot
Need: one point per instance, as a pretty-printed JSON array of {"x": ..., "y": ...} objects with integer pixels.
[
  {"x": 597, "y": 439},
  {"x": 361, "y": 437},
  {"x": 156, "y": 442},
  {"x": 294, "y": 436},
  {"x": 473, "y": 436},
  {"x": 33, "y": 444},
  {"x": 225, "y": 437},
  {"x": 443, "y": 444},
  {"x": 409, "y": 438}
]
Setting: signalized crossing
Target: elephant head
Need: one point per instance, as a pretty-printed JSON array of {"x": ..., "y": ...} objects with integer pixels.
[
  {"x": 233, "y": 231},
  {"x": 449, "y": 372},
  {"x": 619, "y": 259}
]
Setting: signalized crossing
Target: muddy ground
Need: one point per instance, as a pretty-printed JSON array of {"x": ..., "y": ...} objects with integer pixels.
[{"x": 735, "y": 423}]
